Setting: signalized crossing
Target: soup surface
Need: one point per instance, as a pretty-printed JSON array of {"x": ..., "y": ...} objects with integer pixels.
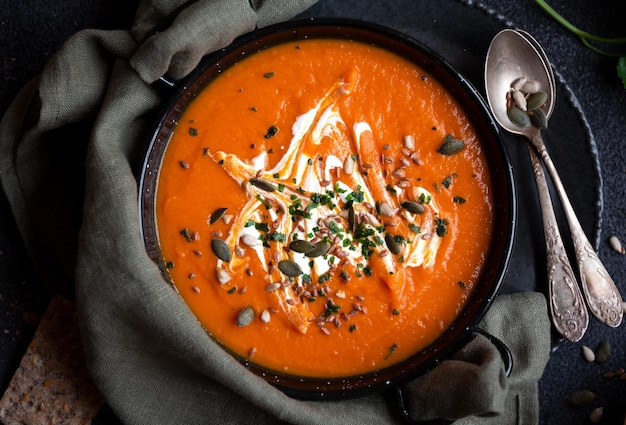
[{"x": 324, "y": 208}]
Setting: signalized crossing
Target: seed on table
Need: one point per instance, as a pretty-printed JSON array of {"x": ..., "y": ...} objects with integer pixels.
[
  {"x": 588, "y": 354},
  {"x": 603, "y": 352},
  {"x": 596, "y": 415},
  {"x": 580, "y": 399},
  {"x": 616, "y": 244}
]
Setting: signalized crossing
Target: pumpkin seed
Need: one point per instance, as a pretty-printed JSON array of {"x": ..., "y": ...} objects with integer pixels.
[
  {"x": 535, "y": 100},
  {"x": 220, "y": 249},
  {"x": 216, "y": 215},
  {"x": 302, "y": 246},
  {"x": 321, "y": 248},
  {"x": 580, "y": 399},
  {"x": 603, "y": 352},
  {"x": 538, "y": 118},
  {"x": 263, "y": 184},
  {"x": 518, "y": 117},
  {"x": 392, "y": 244},
  {"x": 351, "y": 219},
  {"x": 289, "y": 268},
  {"x": 413, "y": 207},
  {"x": 451, "y": 146},
  {"x": 245, "y": 316}
]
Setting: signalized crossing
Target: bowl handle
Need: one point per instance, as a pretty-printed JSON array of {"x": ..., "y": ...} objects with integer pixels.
[{"x": 398, "y": 390}]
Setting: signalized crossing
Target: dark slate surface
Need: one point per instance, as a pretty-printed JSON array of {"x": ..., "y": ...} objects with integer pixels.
[{"x": 30, "y": 32}]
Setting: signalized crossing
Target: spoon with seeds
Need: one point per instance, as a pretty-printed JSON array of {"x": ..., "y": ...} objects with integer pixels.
[{"x": 514, "y": 54}]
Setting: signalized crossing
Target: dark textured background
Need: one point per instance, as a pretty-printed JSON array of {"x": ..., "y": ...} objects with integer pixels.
[{"x": 31, "y": 31}]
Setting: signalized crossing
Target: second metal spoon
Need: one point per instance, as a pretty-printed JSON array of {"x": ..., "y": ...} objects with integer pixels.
[{"x": 513, "y": 54}]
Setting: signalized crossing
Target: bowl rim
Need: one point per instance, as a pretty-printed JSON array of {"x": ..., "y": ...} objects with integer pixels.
[{"x": 463, "y": 91}]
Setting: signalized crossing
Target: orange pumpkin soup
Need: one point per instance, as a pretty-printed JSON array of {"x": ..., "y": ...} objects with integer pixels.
[{"x": 324, "y": 208}]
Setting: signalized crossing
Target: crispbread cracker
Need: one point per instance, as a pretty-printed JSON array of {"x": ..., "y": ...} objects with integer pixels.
[{"x": 52, "y": 384}]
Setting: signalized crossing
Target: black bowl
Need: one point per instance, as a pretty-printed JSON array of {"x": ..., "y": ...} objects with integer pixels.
[{"x": 482, "y": 120}]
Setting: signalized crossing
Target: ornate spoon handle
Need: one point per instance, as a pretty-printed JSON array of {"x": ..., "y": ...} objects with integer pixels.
[
  {"x": 603, "y": 297},
  {"x": 569, "y": 313}
]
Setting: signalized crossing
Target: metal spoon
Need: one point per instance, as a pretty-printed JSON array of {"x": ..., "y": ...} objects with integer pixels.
[{"x": 513, "y": 54}]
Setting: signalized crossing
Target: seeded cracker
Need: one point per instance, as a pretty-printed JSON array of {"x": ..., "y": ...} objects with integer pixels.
[{"x": 52, "y": 385}]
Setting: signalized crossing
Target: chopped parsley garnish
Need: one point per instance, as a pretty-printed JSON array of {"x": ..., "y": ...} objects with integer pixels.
[
  {"x": 186, "y": 234},
  {"x": 459, "y": 200},
  {"x": 268, "y": 75},
  {"x": 392, "y": 350},
  {"x": 331, "y": 308},
  {"x": 442, "y": 228},
  {"x": 271, "y": 132}
]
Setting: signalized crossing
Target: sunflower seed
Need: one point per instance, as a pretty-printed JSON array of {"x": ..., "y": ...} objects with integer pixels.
[
  {"x": 223, "y": 277},
  {"x": 518, "y": 83},
  {"x": 408, "y": 142},
  {"x": 616, "y": 244},
  {"x": 348, "y": 165},
  {"x": 588, "y": 354},
  {"x": 519, "y": 99},
  {"x": 530, "y": 86},
  {"x": 265, "y": 316},
  {"x": 250, "y": 240},
  {"x": 386, "y": 209}
]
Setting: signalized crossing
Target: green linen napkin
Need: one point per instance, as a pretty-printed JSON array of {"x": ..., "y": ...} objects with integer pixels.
[{"x": 69, "y": 144}]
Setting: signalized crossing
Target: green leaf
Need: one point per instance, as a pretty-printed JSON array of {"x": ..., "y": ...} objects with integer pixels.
[{"x": 621, "y": 69}]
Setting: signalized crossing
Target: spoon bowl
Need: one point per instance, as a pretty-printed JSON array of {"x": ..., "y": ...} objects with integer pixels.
[{"x": 513, "y": 54}]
